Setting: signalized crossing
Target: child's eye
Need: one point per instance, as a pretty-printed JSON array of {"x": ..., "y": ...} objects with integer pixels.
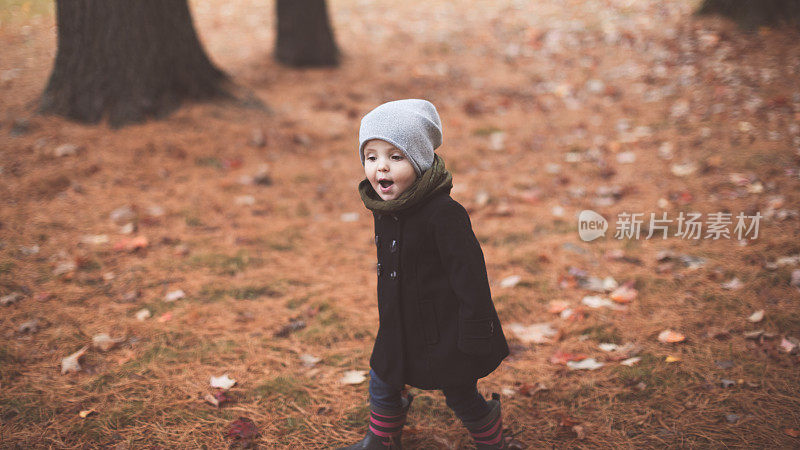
[
  {"x": 397, "y": 157},
  {"x": 371, "y": 158}
]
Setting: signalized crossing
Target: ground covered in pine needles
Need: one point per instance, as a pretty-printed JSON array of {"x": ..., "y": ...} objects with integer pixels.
[{"x": 225, "y": 240}]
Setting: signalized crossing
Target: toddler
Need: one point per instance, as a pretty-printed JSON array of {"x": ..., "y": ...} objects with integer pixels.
[{"x": 438, "y": 328}]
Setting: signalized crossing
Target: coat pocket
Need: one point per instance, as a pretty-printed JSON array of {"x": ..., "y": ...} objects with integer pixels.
[
  {"x": 475, "y": 336},
  {"x": 429, "y": 326}
]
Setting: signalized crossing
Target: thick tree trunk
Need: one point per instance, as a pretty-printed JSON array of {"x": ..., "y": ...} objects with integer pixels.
[
  {"x": 305, "y": 36},
  {"x": 754, "y": 13},
  {"x": 127, "y": 60}
]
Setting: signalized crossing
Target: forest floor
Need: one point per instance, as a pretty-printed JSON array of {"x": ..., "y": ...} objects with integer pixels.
[{"x": 548, "y": 108}]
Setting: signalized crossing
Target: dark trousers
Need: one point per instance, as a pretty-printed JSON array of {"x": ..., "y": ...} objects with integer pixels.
[{"x": 465, "y": 401}]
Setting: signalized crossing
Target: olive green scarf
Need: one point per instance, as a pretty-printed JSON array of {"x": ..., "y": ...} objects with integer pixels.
[{"x": 434, "y": 180}]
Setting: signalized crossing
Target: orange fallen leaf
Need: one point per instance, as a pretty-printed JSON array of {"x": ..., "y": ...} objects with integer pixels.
[
  {"x": 560, "y": 357},
  {"x": 557, "y": 306},
  {"x": 167, "y": 316},
  {"x": 131, "y": 244},
  {"x": 670, "y": 337},
  {"x": 624, "y": 294},
  {"x": 671, "y": 359}
]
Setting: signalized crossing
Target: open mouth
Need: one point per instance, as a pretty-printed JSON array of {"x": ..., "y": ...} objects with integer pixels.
[{"x": 385, "y": 183}]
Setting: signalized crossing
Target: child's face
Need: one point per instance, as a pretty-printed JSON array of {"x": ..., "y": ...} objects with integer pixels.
[{"x": 387, "y": 169}]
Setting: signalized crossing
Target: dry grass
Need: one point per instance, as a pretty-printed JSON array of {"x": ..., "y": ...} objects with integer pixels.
[{"x": 249, "y": 269}]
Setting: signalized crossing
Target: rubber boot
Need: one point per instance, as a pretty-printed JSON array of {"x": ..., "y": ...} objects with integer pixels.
[
  {"x": 385, "y": 428},
  {"x": 488, "y": 432}
]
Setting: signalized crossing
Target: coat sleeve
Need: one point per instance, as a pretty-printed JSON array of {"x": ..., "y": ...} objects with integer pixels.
[{"x": 464, "y": 264}]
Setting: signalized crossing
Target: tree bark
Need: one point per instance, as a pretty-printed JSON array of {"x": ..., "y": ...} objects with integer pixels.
[
  {"x": 127, "y": 60},
  {"x": 305, "y": 36},
  {"x": 754, "y": 13}
]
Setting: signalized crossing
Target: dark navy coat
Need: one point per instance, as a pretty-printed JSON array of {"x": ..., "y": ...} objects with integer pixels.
[{"x": 438, "y": 324}]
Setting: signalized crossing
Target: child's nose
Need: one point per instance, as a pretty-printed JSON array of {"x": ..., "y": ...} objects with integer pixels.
[{"x": 383, "y": 164}]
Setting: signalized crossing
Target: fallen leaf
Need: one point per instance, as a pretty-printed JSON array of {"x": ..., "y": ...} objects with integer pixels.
[
  {"x": 174, "y": 295},
  {"x": 670, "y": 337},
  {"x": 531, "y": 389},
  {"x": 795, "y": 281},
  {"x": 31, "y": 326},
  {"x": 216, "y": 399},
  {"x": 94, "y": 239},
  {"x": 586, "y": 364},
  {"x": 104, "y": 342},
  {"x": 607, "y": 347},
  {"x": 128, "y": 228},
  {"x": 122, "y": 215},
  {"x": 757, "y": 316},
  {"x": 624, "y": 294},
  {"x": 143, "y": 314},
  {"x": 166, "y": 317},
  {"x": 683, "y": 170},
  {"x": 309, "y": 360},
  {"x": 510, "y": 282},
  {"x": 627, "y": 157},
  {"x": 596, "y": 301},
  {"x": 671, "y": 359},
  {"x": 354, "y": 377},
  {"x": 793, "y": 432},
  {"x": 86, "y": 413},
  {"x": 787, "y": 345},
  {"x": 537, "y": 333},
  {"x": 733, "y": 285},
  {"x": 753, "y": 334},
  {"x": 349, "y": 217},
  {"x": 71, "y": 363},
  {"x": 620, "y": 352},
  {"x": 482, "y": 198},
  {"x": 10, "y": 299},
  {"x": 244, "y": 200},
  {"x": 557, "y": 306},
  {"x": 131, "y": 244},
  {"x": 562, "y": 358},
  {"x": 223, "y": 382},
  {"x": 631, "y": 361},
  {"x": 508, "y": 391},
  {"x": 242, "y": 429}
]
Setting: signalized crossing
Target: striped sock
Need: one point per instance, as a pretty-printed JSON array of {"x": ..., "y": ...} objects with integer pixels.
[
  {"x": 489, "y": 434},
  {"x": 385, "y": 426}
]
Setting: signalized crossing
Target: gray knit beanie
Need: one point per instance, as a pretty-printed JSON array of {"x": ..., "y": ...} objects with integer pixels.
[{"x": 412, "y": 125}]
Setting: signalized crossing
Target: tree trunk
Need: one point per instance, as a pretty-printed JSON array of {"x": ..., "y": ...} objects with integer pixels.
[
  {"x": 305, "y": 36},
  {"x": 127, "y": 60},
  {"x": 754, "y": 13}
]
